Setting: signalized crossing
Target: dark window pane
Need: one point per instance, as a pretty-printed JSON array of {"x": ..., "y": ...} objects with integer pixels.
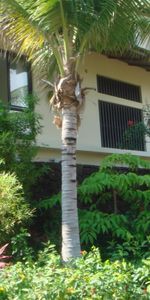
[
  {"x": 18, "y": 75},
  {"x": 15, "y": 80},
  {"x": 118, "y": 89}
]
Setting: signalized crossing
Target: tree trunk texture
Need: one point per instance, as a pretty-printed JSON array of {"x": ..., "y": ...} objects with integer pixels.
[{"x": 70, "y": 225}]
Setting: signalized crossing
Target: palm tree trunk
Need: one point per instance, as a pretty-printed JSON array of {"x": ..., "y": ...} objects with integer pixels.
[{"x": 70, "y": 226}]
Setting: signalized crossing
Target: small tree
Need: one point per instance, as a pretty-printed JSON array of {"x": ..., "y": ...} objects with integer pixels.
[
  {"x": 14, "y": 210},
  {"x": 18, "y": 131},
  {"x": 117, "y": 202}
]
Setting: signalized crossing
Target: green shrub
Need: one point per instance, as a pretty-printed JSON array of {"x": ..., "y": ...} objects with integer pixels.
[
  {"x": 20, "y": 248},
  {"x": 119, "y": 202},
  {"x": 87, "y": 278},
  {"x": 18, "y": 132},
  {"x": 134, "y": 136},
  {"x": 14, "y": 210},
  {"x": 114, "y": 208}
]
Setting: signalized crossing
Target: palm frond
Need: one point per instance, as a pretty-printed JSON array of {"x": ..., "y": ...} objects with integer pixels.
[
  {"x": 26, "y": 34},
  {"x": 65, "y": 28},
  {"x": 22, "y": 34},
  {"x": 112, "y": 26}
]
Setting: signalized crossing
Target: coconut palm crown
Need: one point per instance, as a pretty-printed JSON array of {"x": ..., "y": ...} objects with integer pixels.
[{"x": 55, "y": 35}]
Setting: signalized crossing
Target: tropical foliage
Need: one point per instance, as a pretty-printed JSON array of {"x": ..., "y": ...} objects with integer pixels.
[
  {"x": 18, "y": 131},
  {"x": 56, "y": 31},
  {"x": 58, "y": 34},
  {"x": 118, "y": 202},
  {"x": 114, "y": 207},
  {"x": 14, "y": 210},
  {"x": 89, "y": 278}
]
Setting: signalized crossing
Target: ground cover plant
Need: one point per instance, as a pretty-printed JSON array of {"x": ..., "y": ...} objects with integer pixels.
[{"x": 84, "y": 279}]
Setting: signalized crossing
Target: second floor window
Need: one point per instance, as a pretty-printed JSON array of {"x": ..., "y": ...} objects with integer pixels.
[{"x": 119, "y": 89}]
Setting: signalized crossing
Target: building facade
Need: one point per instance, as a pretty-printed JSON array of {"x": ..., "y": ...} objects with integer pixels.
[{"x": 113, "y": 114}]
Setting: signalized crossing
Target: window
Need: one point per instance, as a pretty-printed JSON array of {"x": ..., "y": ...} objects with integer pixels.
[
  {"x": 118, "y": 89},
  {"x": 121, "y": 125},
  {"x": 15, "y": 81}
]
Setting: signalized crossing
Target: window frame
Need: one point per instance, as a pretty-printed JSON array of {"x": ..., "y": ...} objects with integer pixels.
[
  {"x": 102, "y": 131},
  {"x": 112, "y": 99},
  {"x": 119, "y": 81},
  {"x": 7, "y": 57}
]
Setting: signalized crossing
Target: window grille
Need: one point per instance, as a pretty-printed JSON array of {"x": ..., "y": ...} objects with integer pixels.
[
  {"x": 121, "y": 127},
  {"x": 118, "y": 88}
]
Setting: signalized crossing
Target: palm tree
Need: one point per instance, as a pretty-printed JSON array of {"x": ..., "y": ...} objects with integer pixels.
[{"x": 55, "y": 35}]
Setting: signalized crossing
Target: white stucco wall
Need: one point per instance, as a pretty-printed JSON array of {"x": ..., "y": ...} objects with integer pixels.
[{"x": 89, "y": 141}]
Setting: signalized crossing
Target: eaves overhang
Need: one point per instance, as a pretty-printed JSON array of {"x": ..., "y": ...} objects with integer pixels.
[{"x": 137, "y": 57}]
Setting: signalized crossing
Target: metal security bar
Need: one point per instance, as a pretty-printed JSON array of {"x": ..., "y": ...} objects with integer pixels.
[
  {"x": 121, "y": 127},
  {"x": 119, "y": 89}
]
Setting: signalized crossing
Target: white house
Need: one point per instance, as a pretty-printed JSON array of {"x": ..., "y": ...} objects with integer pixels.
[{"x": 122, "y": 89}]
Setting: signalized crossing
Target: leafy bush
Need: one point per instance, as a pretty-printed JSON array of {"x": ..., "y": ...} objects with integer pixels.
[
  {"x": 20, "y": 246},
  {"x": 14, "y": 210},
  {"x": 134, "y": 136},
  {"x": 86, "y": 278},
  {"x": 18, "y": 131},
  {"x": 118, "y": 202},
  {"x": 114, "y": 205}
]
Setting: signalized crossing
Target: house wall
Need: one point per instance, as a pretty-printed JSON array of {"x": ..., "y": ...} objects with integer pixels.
[{"x": 89, "y": 149}]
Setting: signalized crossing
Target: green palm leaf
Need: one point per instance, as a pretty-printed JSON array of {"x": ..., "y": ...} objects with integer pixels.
[{"x": 68, "y": 28}]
